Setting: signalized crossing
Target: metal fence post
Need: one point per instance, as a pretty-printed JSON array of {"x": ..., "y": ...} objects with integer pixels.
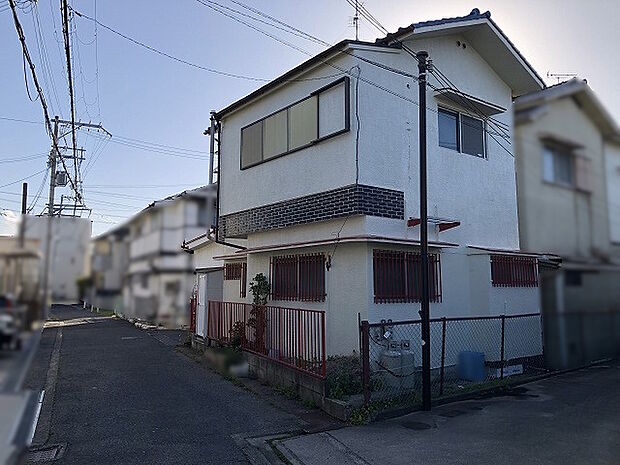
[
  {"x": 502, "y": 348},
  {"x": 323, "y": 355},
  {"x": 443, "y": 354},
  {"x": 365, "y": 329}
]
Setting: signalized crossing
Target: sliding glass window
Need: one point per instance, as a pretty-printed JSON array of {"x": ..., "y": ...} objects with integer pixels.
[{"x": 321, "y": 115}]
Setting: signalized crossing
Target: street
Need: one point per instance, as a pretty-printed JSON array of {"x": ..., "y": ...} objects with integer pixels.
[
  {"x": 123, "y": 396},
  {"x": 118, "y": 394}
]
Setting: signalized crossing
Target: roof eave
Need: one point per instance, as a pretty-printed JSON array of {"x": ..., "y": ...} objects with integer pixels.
[{"x": 289, "y": 75}]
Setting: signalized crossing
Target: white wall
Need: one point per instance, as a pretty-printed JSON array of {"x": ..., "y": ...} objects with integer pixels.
[
  {"x": 68, "y": 252},
  {"x": 612, "y": 165},
  {"x": 481, "y": 193}
]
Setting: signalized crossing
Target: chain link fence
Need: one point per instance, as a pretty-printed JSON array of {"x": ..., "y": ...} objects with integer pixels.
[{"x": 467, "y": 354}]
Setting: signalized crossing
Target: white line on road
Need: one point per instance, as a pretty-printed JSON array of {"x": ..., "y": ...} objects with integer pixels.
[{"x": 35, "y": 420}]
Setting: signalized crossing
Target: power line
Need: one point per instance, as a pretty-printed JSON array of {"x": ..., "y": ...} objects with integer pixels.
[
  {"x": 20, "y": 120},
  {"x": 177, "y": 59},
  {"x": 23, "y": 179},
  {"x": 65, "y": 30},
  {"x": 26, "y": 54}
]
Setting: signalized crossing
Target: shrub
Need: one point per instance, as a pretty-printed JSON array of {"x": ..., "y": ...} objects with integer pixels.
[{"x": 344, "y": 376}]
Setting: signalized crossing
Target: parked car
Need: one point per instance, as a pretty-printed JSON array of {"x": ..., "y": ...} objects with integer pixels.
[{"x": 9, "y": 330}]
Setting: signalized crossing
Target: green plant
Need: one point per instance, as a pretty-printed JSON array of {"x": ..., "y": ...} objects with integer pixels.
[
  {"x": 237, "y": 334},
  {"x": 83, "y": 283},
  {"x": 309, "y": 403},
  {"x": 260, "y": 289},
  {"x": 344, "y": 376},
  {"x": 287, "y": 391}
]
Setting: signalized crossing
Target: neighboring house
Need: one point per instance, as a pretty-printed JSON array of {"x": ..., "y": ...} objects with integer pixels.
[
  {"x": 68, "y": 252},
  {"x": 109, "y": 263},
  {"x": 143, "y": 258},
  {"x": 19, "y": 268},
  {"x": 568, "y": 169},
  {"x": 209, "y": 275},
  {"x": 318, "y": 171}
]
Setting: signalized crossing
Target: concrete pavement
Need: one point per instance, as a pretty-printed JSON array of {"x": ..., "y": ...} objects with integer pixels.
[
  {"x": 568, "y": 419},
  {"x": 124, "y": 395}
]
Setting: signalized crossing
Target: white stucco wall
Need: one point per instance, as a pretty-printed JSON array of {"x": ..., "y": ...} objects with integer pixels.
[
  {"x": 478, "y": 192},
  {"x": 68, "y": 252},
  {"x": 612, "y": 167}
]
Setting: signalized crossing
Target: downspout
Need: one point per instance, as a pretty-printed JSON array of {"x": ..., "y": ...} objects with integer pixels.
[{"x": 216, "y": 124}]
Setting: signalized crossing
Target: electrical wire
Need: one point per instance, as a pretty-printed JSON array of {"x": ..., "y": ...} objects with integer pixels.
[
  {"x": 48, "y": 124},
  {"x": 181, "y": 60},
  {"x": 23, "y": 179}
]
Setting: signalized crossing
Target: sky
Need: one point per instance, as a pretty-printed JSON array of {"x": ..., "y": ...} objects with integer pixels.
[{"x": 157, "y": 109}]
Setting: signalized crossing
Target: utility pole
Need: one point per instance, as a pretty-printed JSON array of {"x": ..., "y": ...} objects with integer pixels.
[
  {"x": 425, "y": 304},
  {"x": 50, "y": 216},
  {"x": 24, "y": 197},
  {"x": 211, "y": 146},
  {"x": 21, "y": 240},
  {"x": 356, "y": 20}
]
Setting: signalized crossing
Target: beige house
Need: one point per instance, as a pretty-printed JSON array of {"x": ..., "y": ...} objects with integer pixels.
[
  {"x": 567, "y": 150},
  {"x": 19, "y": 268}
]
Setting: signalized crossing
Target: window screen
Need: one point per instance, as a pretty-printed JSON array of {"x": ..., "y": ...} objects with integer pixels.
[
  {"x": 302, "y": 123},
  {"x": 274, "y": 135},
  {"x": 513, "y": 271},
  {"x": 397, "y": 276},
  {"x": 558, "y": 166},
  {"x": 251, "y": 144},
  {"x": 473, "y": 136},
  {"x": 448, "y": 129},
  {"x": 332, "y": 117},
  {"x": 298, "y": 277}
]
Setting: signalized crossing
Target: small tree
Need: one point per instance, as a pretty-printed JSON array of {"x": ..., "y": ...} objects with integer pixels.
[{"x": 260, "y": 289}]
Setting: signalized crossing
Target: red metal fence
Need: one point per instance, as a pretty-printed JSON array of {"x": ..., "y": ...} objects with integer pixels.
[{"x": 291, "y": 336}]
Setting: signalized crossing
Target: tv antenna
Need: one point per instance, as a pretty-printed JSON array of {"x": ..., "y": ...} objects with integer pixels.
[{"x": 561, "y": 76}]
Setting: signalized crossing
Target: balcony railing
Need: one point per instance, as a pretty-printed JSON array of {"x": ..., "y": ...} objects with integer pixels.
[{"x": 290, "y": 336}]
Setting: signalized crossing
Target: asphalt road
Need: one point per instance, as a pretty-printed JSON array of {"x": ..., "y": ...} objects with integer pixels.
[{"x": 125, "y": 396}]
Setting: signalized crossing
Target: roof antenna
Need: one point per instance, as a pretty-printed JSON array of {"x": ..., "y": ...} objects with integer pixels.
[{"x": 561, "y": 76}]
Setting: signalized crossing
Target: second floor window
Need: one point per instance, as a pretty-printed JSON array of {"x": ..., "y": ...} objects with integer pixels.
[
  {"x": 323, "y": 114},
  {"x": 461, "y": 132},
  {"x": 298, "y": 277},
  {"x": 558, "y": 166}
]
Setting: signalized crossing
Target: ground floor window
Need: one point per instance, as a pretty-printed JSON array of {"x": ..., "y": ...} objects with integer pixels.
[
  {"x": 397, "y": 276},
  {"x": 514, "y": 271},
  {"x": 298, "y": 277},
  {"x": 237, "y": 272}
]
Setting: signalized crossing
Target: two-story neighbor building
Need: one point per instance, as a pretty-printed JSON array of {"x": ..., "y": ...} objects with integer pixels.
[
  {"x": 568, "y": 167},
  {"x": 143, "y": 259},
  {"x": 68, "y": 252},
  {"x": 318, "y": 171}
]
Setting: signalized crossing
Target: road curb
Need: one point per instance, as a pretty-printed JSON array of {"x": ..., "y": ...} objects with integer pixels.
[{"x": 42, "y": 431}]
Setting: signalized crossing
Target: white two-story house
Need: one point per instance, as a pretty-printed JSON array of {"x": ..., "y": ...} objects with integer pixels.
[
  {"x": 318, "y": 171},
  {"x": 139, "y": 268}
]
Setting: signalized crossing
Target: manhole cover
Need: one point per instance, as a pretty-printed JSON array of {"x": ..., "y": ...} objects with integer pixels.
[
  {"x": 416, "y": 425},
  {"x": 45, "y": 454}
]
